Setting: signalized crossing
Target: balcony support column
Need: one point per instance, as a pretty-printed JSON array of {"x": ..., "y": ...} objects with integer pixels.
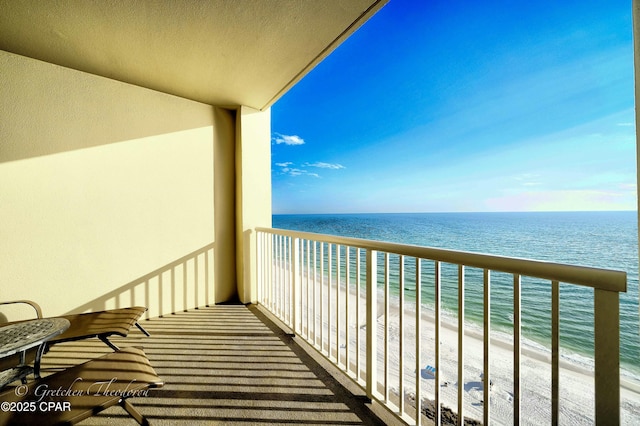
[{"x": 252, "y": 193}]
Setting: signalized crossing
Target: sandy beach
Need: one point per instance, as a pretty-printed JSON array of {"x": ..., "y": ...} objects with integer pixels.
[
  {"x": 576, "y": 378},
  {"x": 576, "y": 381}
]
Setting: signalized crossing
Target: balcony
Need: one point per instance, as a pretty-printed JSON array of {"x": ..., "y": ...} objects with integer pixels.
[{"x": 136, "y": 166}]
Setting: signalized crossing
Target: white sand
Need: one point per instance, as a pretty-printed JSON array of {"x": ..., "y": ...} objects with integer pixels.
[{"x": 576, "y": 379}]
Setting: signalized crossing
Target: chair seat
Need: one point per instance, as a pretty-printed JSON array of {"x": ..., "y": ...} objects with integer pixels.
[
  {"x": 86, "y": 389},
  {"x": 102, "y": 323}
]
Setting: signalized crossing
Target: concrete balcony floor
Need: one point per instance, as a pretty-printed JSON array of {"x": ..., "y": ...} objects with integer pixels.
[{"x": 229, "y": 365}]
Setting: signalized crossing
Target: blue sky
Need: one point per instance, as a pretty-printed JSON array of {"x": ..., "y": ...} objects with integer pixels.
[{"x": 443, "y": 106}]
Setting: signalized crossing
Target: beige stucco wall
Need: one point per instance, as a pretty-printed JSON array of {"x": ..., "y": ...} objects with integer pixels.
[{"x": 106, "y": 192}]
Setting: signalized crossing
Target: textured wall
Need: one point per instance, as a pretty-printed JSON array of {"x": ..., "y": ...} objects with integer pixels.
[{"x": 106, "y": 192}]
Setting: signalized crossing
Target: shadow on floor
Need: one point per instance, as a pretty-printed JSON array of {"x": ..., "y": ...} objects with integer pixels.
[{"x": 226, "y": 365}]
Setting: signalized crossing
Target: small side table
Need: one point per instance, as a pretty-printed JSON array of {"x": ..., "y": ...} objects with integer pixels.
[{"x": 20, "y": 337}]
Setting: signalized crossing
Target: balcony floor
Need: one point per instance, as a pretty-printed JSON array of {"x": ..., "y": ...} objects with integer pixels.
[{"x": 228, "y": 364}]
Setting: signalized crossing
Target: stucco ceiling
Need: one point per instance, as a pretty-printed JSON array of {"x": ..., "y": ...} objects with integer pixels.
[{"x": 220, "y": 52}]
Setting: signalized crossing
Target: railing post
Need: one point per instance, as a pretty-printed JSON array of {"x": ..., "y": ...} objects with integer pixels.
[
  {"x": 517, "y": 349},
  {"x": 295, "y": 282},
  {"x": 372, "y": 280},
  {"x": 461, "y": 345},
  {"x": 555, "y": 353},
  {"x": 259, "y": 266},
  {"x": 418, "y": 400},
  {"x": 487, "y": 347},
  {"x": 607, "y": 356}
]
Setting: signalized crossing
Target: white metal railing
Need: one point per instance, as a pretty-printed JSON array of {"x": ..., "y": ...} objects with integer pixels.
[{"x": 319, "y": 286}]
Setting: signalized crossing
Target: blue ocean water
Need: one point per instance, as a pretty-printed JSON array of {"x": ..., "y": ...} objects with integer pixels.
[{"x": 595, "y": 239}]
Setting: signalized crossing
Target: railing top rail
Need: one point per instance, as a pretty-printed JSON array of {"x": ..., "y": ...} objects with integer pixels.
[{"x": 602, "y": 279}]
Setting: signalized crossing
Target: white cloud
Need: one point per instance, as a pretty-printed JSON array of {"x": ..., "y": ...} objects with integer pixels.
[
  {"x": 300, "y": 172},
  {"x": 322, "y": 165},
  {"x": 289, "y": 168},
  {"x": 288, "y": 139},
  {"x": 285, "y": 169}
]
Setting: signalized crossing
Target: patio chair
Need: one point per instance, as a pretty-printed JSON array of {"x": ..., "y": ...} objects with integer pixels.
[
  {"x": 101, "y": 324},
  {"x": 88, "y": 389}
]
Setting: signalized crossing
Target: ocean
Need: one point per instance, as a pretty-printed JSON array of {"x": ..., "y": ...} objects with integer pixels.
[{"x": 606, "y": 240}]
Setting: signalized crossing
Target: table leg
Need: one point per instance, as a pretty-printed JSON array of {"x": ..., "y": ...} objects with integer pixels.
[{"x": 36, "y": 363}]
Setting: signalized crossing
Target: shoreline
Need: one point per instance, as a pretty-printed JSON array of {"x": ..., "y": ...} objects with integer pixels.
[
  {"x": 576, "y": 381},
  {"x": 530, "y": 348},
  {"x": 501, "y": 339}
]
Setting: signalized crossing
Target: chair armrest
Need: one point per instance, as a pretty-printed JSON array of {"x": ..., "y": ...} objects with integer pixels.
[{"x": 33, "y": 304}]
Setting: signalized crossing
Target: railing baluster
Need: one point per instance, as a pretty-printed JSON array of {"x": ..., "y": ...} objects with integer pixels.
[
  {"x": 315, "y": 290},
  {"x": 358, "y": 284},
  {"x": 460, "y": 345},
  {"x": 347, "y": 310},
  {"x": 270, "y": 271},
  {"x": 517, "y": 329},
  {"x": 268, "y": 264},
  {"x": 438, "y": 304},
  {"x": 276, "y": 275},
  {"x": 290, "y": 277},
  {"x": 274, "y": 272},
  {"x": 308, "y": 298},
  {"x": 259, "y": 263},
  {"x": 487, "y": 346},
  {"x": 286, "y": 269},
  {"x": 372, "y": 281},
  {"x": 285, "y": 280},
  {"x": 555, "y": 352},
  {"x": 386, "y": 327},
  {"x": 401, "y": 337},
  {"x": 281, "y": 278},
  {"x": 330, "y": 276},
  {"x": 322, "y": 297},
  {"x": 286, "y": 307},
  {"x": 267, "y": 277},
  {"x": 338, "y": 310},
  {"x": 418, "y": 297},
  {"x": 296, "y": 296},
  {"x": 263, "y": 295},
  {"x": 607, "y": 356}
]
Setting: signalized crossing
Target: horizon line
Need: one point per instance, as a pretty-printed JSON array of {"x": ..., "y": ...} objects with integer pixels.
[{"x": 458, "y": 212}]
